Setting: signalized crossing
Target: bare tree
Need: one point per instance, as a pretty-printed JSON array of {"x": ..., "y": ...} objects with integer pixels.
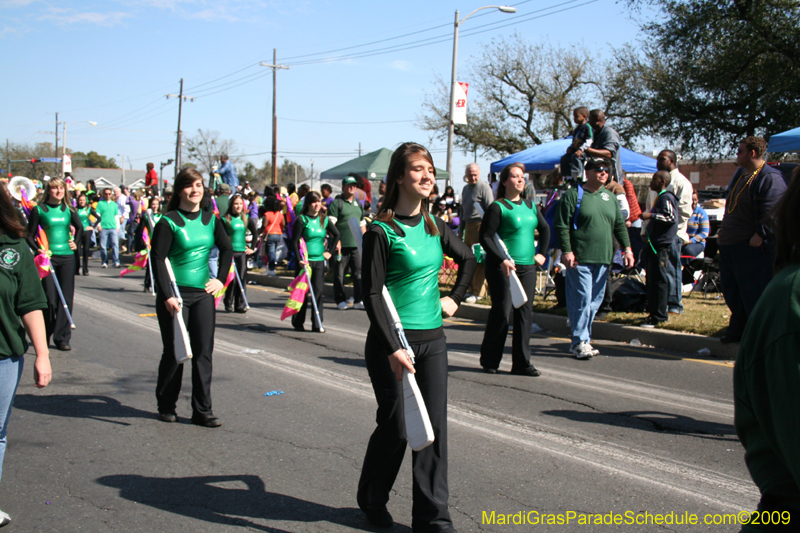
[
  {"x": 521, "y": 94},
  {"x": 205, "y": 148}
]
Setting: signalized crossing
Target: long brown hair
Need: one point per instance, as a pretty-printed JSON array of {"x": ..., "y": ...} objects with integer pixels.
[
  {"x": 9, "y": 219},
  {"x": 504, "y": 175},
  {"x": 787, "y": 225},
  {"x": 55, "y": 182},
  {"x": 229, "y": 213},
  {"x": 308, "y": 199},
  {"x": 397, "y": 169},
  {"x": 184, "y": 180}
]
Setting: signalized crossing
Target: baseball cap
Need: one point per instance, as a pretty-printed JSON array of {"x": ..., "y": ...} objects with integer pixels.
[
  {"x": 597, "y": 162},
  {"x": 349, "y": 180}
]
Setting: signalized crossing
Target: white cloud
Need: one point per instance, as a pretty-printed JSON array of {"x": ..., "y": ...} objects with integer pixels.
[
  {"x": 214, "y": 14},
  {"x": 16, "y": 3},
  {"x": 66, "y": 16},
  {"x": 401, "y": 65}
]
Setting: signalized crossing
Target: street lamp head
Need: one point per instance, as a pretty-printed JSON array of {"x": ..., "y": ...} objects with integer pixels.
[
  {"x": 93, "y": 123},
  {"x": 507, "y": 9}
]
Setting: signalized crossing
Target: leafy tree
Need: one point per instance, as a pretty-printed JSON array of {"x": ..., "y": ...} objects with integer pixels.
[
  {"x": 521, "y": 94},
  {"x": 712, "y": 72},
  {"x": 92, "y": 160},
  {"x": 205, "y": 148}
]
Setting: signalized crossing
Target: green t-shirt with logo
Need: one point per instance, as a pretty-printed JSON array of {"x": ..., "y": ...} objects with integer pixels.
[
  {"x": 343, "y": 210},
  {"x": 20, "y": 293},
  {"x": 599, "y": 221}
]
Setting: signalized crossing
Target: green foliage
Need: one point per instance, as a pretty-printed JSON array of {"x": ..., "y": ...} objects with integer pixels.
[
  {"x": 712, "y": 72},
  {"x": 91, "y": 160}
]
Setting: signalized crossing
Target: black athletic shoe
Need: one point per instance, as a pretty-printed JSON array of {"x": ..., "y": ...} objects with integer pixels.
[
  {"x": 380, "y": 518},
  {"x": 63, "y": 347},
  {"x": 207, "y": 421},
  {"x": 298, "y": 327},
  {"x": 530, "y": 371},
  {"x": 729, "y": 339},
  {"x": 168, "y": 417},
  {"x": 487, "y": 370}
]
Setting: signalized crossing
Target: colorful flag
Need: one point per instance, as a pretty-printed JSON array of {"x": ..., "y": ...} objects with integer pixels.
[
  {"x": 297, "y": 290},
  {"x": 27, "y": 205},
  {"x": 42, "y": 261},
  {"x": 214, "y": 205},
  {"x": 292, "y": 216},
  {"x": 220, "y": 293},
  {"x": 139, "y": 262}
]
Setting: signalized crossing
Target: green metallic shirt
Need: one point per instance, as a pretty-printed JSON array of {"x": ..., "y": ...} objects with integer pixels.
[
  {"x": 56, "y": 223},
  {"x": 236, "y": 230},
  {"x": 191, "y": 246},
  {"x": 314, "y": 235},
  {"x": 412, "y": 275},
  {"x": 517, "y": 226}
]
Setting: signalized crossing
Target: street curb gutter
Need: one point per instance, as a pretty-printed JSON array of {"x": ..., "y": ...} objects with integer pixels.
[{"x": 658, "y": 338}]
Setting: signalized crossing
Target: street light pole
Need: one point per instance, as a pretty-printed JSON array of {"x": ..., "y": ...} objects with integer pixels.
[
  {"x": 451, "y": 125},
  {"x": 274, "y": 66},
  {"x": 180, "y": 98},
  {"x": 64, "y": 140}
]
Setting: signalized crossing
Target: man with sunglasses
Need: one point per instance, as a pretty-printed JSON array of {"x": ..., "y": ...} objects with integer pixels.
[
  {"x": 108, "y": 210},
  {"x": 587, "y": 218}
]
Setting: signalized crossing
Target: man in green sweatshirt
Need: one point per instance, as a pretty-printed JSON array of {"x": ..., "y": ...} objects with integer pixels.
[{"x": 587, "y": 218}]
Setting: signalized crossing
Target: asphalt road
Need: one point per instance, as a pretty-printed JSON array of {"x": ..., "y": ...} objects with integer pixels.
[{"x": 634, "y": 430}]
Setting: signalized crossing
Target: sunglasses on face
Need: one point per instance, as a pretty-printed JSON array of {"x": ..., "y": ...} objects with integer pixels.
[{"x": 600, "y": 170}]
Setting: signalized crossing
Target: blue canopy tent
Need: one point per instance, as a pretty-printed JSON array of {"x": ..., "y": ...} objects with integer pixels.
[
  {"x": 546, "y": 156},
  {"x": 788, "y": 141}
]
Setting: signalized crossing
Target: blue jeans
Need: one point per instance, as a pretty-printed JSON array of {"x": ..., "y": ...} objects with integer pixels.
[
  {"x": 105, "y": 234},
  {"x": 675, "y": 278},
  {"x": 273, "y": 240},
  {"x": 213, "y": 262},
  {"x": 586, "y": 286},
  {"x": 10, "y": 373}
]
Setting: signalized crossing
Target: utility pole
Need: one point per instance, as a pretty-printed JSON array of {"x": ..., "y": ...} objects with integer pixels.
[
  {"x": 8, "y": 160},
  {"x": 180, "y": 98},
  {"x": 55, "y": 152},
  {"x": 312, "y": 174},
  {"x": 274, "y": 66},
  {"x": 359, "y": 149}
]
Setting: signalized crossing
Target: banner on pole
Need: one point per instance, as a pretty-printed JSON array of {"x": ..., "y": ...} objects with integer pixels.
[
  {"x": 67, "y": 160},
  {"x": 460, "y": 96}
]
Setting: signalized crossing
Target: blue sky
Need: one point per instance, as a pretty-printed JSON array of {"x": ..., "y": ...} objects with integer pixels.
[{"x": 113, "y": 61}]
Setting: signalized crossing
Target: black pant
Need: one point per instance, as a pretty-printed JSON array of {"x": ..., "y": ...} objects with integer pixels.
[
  {"x": 233, "y": 296},
  {"x": 83, "y": 251},
  {"x": 387, "y": 445},
  {"x": 318, "y": 284},
  {"x": 658, "y": 265},
  {"x": 55, "y": 318},
  {"x": 502, "y": 313},
  {"x": 352, "y": 258},
  {"x": 745, "y": 272},
  {"x": 198, "y": 313}
]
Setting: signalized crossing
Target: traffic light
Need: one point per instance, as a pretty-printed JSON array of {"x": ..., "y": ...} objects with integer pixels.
[{"x": 33, "y": 160}]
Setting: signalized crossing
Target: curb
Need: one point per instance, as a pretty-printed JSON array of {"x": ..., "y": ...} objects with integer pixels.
[{"x": 658, "y": 338}]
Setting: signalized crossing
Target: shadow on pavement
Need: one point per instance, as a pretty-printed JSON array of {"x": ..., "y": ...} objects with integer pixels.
[
  {"x": 239, "y": 501},
  {"x": 655, "y": 421},
  {"x": 91, "y": 406}
]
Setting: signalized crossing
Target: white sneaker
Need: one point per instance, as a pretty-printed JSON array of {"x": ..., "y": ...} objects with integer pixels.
[
  {"x": 350, "y": 300},
  {"x": 341, "y": 306},
  {"x": 116, "y": 265},
  {"x": 594, "y": 350},
  {"x": 105, "y": 265},
  {"x": 4, "y": 519},
  {"x": 270, "y": 272},
  {"x": 582, "y": 350},
  {"x": 470, "y": 299},
  {"x": 358, "y": 305}
]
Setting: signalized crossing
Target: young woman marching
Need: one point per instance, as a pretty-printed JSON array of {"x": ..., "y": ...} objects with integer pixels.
[
  {"x": 149, "y": 220},
  {"x": 85, "y": 244},
  {"x": 21, "y": 302},
  {"x": 404, "y": 249},
  {"x": 312, "y": 225},
  {"x": 185, "y": 236},
  {"x": 237, "y": 224},
  {"x": 57, "y": 219},
  {"x": 514, "y": 220}
]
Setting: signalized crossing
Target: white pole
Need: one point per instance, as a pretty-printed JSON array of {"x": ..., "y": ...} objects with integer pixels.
[{"x": 451, "y": 125}]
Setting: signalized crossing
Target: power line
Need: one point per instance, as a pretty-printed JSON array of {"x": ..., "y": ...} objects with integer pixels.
[
  {"x": 324, "y": 122},
  {"x": 193, "y": 89}
]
